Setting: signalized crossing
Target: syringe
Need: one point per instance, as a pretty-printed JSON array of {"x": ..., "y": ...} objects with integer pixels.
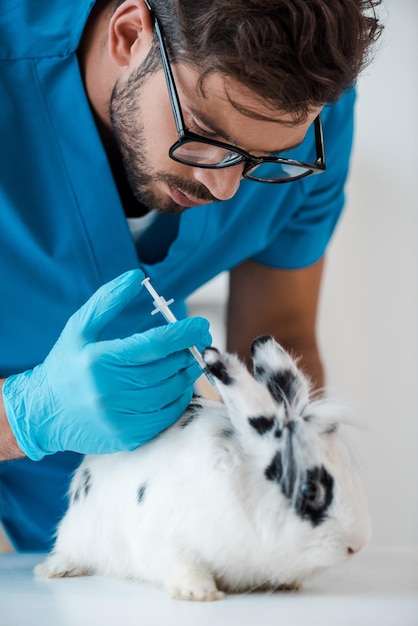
[{"x": 162, "y": 306}]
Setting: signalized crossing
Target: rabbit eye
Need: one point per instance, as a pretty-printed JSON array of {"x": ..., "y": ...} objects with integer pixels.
[{"x": 313, "y": 493}]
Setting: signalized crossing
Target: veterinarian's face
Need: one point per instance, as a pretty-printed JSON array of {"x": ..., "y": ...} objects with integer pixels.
[{"x": 144, "y": 129}]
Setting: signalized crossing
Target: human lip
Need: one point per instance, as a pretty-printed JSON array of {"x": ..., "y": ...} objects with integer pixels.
[{"x": 182, "y": 199}]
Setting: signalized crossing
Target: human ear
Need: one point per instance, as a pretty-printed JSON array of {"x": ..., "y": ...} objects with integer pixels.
[{"x": 130, "y": 32}]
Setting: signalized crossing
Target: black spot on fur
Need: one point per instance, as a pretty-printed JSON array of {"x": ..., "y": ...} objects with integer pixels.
[
  {"x": 190, "y": 413},
  {"x": 259, "y": 372},
  {"x": 227, "y": 433},
  {"x": 292, "y": 426},
  {"x": 278, "y": 432},
  {"x": 85, "y": 486},
  {"x": 219, "y": 371},
  {"x": 275, "y": 470},
  {"x": 259, "y": 341},
  {"x": 87, "y": 481},
  {"x": 261, "y": 424},
  {"x": 290, "y": 470},
  {"x": 315, "y": 495},
  {"x": 141, "y": 493},
  {"x": 331, "y": 429},
  {"x": 283, "y": 386}
]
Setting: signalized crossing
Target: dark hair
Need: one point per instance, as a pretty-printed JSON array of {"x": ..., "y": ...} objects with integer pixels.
[{"x": 295, "y": 54}]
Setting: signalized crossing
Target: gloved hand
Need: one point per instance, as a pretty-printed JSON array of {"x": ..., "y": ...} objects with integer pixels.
[{"x": 95, "y": 397}]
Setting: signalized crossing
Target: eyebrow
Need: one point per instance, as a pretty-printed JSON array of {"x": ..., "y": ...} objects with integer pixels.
[{"x": 213, "y": 127}]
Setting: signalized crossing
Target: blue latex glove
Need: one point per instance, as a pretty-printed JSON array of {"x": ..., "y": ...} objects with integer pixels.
[{"x": 95, "y": 397}]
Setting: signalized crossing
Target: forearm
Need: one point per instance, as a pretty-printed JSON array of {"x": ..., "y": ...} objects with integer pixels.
[
  {"x": 8, "y": 445},
  {"x": 307, "y": 353},
  {"x": 309, "y": 360},
  {"x": 280, "y": 303}
]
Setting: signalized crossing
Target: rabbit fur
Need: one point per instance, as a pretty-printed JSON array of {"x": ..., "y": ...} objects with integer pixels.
[{"x": 256, "y": 492}]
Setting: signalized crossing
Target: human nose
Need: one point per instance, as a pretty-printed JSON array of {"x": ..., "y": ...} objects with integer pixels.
[{"x": 223, "y": 182}]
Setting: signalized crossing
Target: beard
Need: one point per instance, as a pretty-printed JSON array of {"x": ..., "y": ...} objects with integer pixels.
[{"x": 129, "y": 136}]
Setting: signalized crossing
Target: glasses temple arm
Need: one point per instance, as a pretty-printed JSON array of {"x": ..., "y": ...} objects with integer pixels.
[
  {"x": 319, "y": 141},
  {"x": 172, "y": 91}
]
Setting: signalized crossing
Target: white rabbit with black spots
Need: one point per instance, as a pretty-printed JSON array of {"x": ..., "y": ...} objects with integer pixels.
[{"x": 256, "y": 492}]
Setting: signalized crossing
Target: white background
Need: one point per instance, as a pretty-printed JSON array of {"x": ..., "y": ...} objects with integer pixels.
[
  {"x": 369, "y": 308},
  {"x": 369, "y": 337}
]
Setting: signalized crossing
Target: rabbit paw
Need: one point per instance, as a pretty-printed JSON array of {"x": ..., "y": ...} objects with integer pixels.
[
  {"x": 201, "y": 591},
  {"x": 193, "y": 581},
  {"x": 57, "y": 565}
]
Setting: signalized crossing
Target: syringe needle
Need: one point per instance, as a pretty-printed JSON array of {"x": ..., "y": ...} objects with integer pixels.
[{"x": 162, "y": 306}]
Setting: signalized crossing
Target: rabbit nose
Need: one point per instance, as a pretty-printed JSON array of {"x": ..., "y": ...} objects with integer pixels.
[{"x": 356, "y": 546}]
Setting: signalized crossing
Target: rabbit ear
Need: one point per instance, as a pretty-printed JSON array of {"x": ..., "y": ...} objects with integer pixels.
[
  {"x": 248, "y": 400},
  {"x": 276, "y": 369}
]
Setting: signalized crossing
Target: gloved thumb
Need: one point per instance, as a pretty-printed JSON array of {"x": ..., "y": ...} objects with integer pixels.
[{"x": 105, "y": 304}]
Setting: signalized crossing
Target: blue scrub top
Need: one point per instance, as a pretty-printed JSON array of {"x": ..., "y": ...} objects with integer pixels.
[{"x": 64, "y": 232}]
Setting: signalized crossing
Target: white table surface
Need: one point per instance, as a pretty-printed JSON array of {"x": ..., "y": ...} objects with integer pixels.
[{"x": 379, "y": 587}]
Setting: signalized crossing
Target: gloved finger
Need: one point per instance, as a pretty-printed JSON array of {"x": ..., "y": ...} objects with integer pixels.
[
  {"x": 156, "y": 397},
  {"x": 105, "y": 304},
  {"x": 149, "y": 375},
  {"x": 163, "y": 419},
  {"x": 143, "y": 374},
  {"x": 157, "y": 343},
  {"x": 144, "y": 427}
]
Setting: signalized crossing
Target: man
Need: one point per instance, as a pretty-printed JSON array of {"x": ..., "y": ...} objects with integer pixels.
[{"x": 117, "y": 113}]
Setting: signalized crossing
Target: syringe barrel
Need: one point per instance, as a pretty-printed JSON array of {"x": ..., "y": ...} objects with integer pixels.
[{"x": 162, "y": 306}]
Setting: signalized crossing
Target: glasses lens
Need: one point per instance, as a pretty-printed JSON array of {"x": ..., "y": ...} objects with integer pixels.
[
  {"x": 200, "y": 153},
  {"x": 277, "y": 171}
]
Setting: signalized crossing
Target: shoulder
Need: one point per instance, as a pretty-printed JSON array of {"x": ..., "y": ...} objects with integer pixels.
[{"x": 33, "y": 28}]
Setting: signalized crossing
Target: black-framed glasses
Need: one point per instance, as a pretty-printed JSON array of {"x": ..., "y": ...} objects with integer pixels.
[{"x": 192, "y": 149}]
